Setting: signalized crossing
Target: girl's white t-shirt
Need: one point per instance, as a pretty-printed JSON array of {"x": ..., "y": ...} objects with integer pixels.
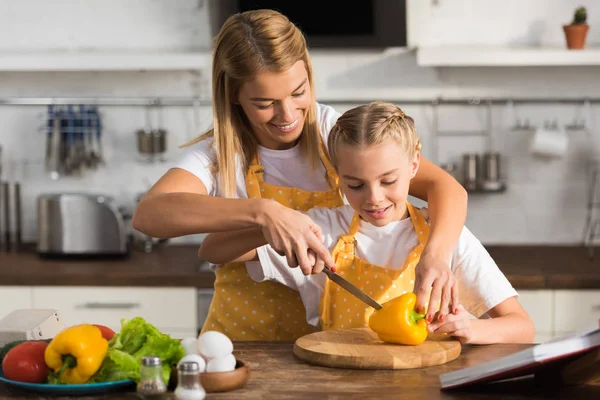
[
  {"x": 481, "y": 284},
  {"x": 282, "y": 167}
]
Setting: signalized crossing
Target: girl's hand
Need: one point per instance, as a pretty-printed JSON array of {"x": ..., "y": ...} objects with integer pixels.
[
  {"x": 456, "y": 325},
  {"x": 433, "y": 273},
  {"x": 292, "y": 233}
]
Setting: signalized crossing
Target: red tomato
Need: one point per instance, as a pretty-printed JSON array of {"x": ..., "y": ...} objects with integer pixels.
[
  {"x": 107, "y": 333},
  {"x": 25, "y": 363}
]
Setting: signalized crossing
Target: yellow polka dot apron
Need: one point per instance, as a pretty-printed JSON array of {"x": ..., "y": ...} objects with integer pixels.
[
  {"x": 339, "y": 309},
  {"x": 247, "y": 310}
]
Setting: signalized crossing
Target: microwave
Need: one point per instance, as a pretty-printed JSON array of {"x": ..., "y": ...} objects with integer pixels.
[{"x": 340, "y": 24}]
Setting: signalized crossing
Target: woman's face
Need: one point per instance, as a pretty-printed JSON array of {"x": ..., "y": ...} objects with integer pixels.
[
  {"x": 276, "y": 106},
  {"x": 375, "y": 180}
]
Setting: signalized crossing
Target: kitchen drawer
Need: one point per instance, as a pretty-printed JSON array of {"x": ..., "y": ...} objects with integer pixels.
[
  {"x": 576, "y": 310},
  {"x": 538, "y": 304},
  {"x": 14, "y": 298},
  {"x": 169, "y": 309}
]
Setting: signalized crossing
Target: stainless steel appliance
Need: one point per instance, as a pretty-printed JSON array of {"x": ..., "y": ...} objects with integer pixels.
[{"x": 78, "y": 224}]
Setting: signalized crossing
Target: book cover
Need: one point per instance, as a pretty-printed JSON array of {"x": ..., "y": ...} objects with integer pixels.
[{"x": 525, "y": 362}]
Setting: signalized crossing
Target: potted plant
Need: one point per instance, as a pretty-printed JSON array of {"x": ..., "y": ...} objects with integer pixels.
[{"x": 577, "y": 30}]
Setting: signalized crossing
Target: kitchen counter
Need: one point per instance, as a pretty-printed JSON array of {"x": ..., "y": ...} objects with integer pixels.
[
  {"x": 526, "y": 267},
  {"x": 275, "y": 373}
]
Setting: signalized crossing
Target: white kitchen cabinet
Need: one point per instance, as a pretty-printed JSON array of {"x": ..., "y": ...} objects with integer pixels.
[
  {"x": 14, "y": 298},
  {"x": 171, "y": 310},
  {"x": 576, "y": 310},
  {"x": 538, "y": 304}
]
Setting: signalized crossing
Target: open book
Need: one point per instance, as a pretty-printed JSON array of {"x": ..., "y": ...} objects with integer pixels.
[{"x": 525, "y": 362}]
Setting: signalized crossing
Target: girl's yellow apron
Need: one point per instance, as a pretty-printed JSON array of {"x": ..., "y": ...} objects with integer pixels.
[
  {"x": 338, "y": 308},
  {"x": 247, "y": 310}
]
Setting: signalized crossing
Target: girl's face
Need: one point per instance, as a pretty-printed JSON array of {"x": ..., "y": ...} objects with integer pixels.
[
  {"x": 276, "y": 105},
  {"x": 375, "y": 180}
]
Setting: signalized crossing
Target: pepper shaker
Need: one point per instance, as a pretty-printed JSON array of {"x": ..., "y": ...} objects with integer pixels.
[{"x": 151, "y": 381}]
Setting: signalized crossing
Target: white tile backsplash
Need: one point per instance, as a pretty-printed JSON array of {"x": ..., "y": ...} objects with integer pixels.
[{"x": 545, "y": 200}]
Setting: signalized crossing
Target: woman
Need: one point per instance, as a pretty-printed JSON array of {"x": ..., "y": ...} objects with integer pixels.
[{"x": 266, "y": 158}]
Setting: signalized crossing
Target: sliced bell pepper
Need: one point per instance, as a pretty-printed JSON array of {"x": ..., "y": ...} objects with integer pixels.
[
  {"x": 76, "y": 353},
  {"x": 398, "y": 322}
]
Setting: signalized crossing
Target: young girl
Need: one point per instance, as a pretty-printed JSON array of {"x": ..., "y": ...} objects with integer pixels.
[
  {"x": 378, "y": 238},
  {"x": 264, "y": 162}
]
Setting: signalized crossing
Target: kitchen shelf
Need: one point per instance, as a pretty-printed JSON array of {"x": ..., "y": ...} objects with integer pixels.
[
  {"x": 505, "y": 56},
  {"x": 105, "y": 61}
]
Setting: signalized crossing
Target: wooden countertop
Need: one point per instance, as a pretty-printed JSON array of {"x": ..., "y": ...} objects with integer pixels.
[
  {"x": 275, "y": 373},
  {"x": 526, "y": 267}
]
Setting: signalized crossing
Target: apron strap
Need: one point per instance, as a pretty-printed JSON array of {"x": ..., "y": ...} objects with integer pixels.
[{"x": 419, "y": 223}]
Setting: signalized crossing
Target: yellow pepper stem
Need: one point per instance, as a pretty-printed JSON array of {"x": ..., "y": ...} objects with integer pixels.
[
  {"x": 415, "y": 316},
  {"x": 68, "y": 362}
]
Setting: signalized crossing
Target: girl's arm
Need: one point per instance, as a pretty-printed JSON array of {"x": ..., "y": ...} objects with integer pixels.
[
  {"x": 509, "y": 323},
  {"x": 233, "y": 246},
  {"x": 447, "y": 206},
  {"x": 178, "y": 204}
]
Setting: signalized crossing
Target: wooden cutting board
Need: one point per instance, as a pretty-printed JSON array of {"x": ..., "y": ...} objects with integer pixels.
[{"x": 360, "y": 348}]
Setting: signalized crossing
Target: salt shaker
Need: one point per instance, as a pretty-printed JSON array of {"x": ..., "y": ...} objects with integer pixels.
[
  {"x": 151, "y": 380},
  {"x": 188, "y": 382}
]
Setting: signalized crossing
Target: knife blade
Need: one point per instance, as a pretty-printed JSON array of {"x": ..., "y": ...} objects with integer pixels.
[{"x": 354, "y": 290}]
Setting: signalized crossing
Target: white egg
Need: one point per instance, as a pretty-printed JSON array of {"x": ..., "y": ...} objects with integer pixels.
[
  {"x": 213, "y": 344},
  {"x": 195, "y": 358},
  {"x": 190, "y": 345},
  {"x": 221, "y": 364}
]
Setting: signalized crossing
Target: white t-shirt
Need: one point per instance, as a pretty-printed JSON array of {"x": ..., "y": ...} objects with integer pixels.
[
  {"x": 282, "y": 167},
  {"x": 481, "y": 284}
]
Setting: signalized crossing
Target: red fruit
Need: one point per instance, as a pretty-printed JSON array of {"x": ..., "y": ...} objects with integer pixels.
[
  {"x": 107, "y": 333},
  {"x": 25, "y": 363}
]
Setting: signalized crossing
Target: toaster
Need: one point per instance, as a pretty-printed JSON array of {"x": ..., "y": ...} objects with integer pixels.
[{"x": 76, "y": 224}]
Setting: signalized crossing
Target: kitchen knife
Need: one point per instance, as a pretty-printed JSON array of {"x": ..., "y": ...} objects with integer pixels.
[{"x": 354, "y": 290}]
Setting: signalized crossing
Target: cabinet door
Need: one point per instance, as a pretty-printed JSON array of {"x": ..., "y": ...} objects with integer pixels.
[
  {"x": 576, "y": 310},
  {"x": 538, "y": 304},
  {"x": 14, "y": 298},
  {"x": 171, "y": 310}
]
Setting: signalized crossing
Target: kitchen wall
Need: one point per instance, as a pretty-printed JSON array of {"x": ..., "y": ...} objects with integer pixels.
[{"x": 545, "y": 201}]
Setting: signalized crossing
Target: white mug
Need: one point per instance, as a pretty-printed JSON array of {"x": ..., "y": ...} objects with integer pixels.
[{"x": 551, "y": 143}]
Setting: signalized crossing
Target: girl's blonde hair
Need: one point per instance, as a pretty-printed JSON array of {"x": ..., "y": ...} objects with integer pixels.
[
  {"x": 247, "y": 45},
  {"x": 369, "y": 125}
]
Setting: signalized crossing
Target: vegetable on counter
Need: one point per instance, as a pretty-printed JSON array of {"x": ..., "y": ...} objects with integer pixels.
[
  {"x": 107, "y": 333},
  {"x": 24, "y": 362},
  {"x": 137, "y": 339},
  {"x": 76, "y": 353},
  {"x": 398, "y": 322}
]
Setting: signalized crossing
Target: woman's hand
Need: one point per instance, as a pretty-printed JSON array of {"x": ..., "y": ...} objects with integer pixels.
[
  {"x": 433, "y": 273},
  {"x": 456, "y": 325},
  {"x": 292, "y": 233}
]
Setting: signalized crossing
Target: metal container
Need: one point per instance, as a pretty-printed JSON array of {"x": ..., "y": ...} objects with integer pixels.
[
  {"x": 151, "y": 142},
  {"x": 491, "y": 179},
  {"x": 471, "y": 171}
]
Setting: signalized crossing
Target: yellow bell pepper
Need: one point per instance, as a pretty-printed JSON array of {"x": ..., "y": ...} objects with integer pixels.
[
  {"x": 76, "y": 353},
  {"x": 398, "y": 322}
]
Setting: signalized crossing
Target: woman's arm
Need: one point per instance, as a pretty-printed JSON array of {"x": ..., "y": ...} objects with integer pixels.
[
  {"x": 233, "y": 246},
  {"x": 178, "y": 205},
  {"x": 447, "y": 206},
  {"x": 510, "y": 323}
]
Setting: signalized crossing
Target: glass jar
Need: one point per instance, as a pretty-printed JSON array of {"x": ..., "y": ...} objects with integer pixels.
[
  {"x": 188, "y": 382},
  {"x": 151, "y": 380}
]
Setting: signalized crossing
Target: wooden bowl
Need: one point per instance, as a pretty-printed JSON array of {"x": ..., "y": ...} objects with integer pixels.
[{"x": 226, "y": 381}]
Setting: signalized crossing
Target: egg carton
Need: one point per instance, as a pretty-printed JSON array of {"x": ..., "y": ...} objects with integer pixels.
[{"x": 30, "y": 324}]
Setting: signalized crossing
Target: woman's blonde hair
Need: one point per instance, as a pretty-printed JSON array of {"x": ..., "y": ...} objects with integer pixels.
[
  {"x": 371, "y": 124},
  {"x": 248, "y": 44}
]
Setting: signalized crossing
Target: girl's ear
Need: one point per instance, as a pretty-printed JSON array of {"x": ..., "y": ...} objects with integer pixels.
[{"x": 414, "y": 164}]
